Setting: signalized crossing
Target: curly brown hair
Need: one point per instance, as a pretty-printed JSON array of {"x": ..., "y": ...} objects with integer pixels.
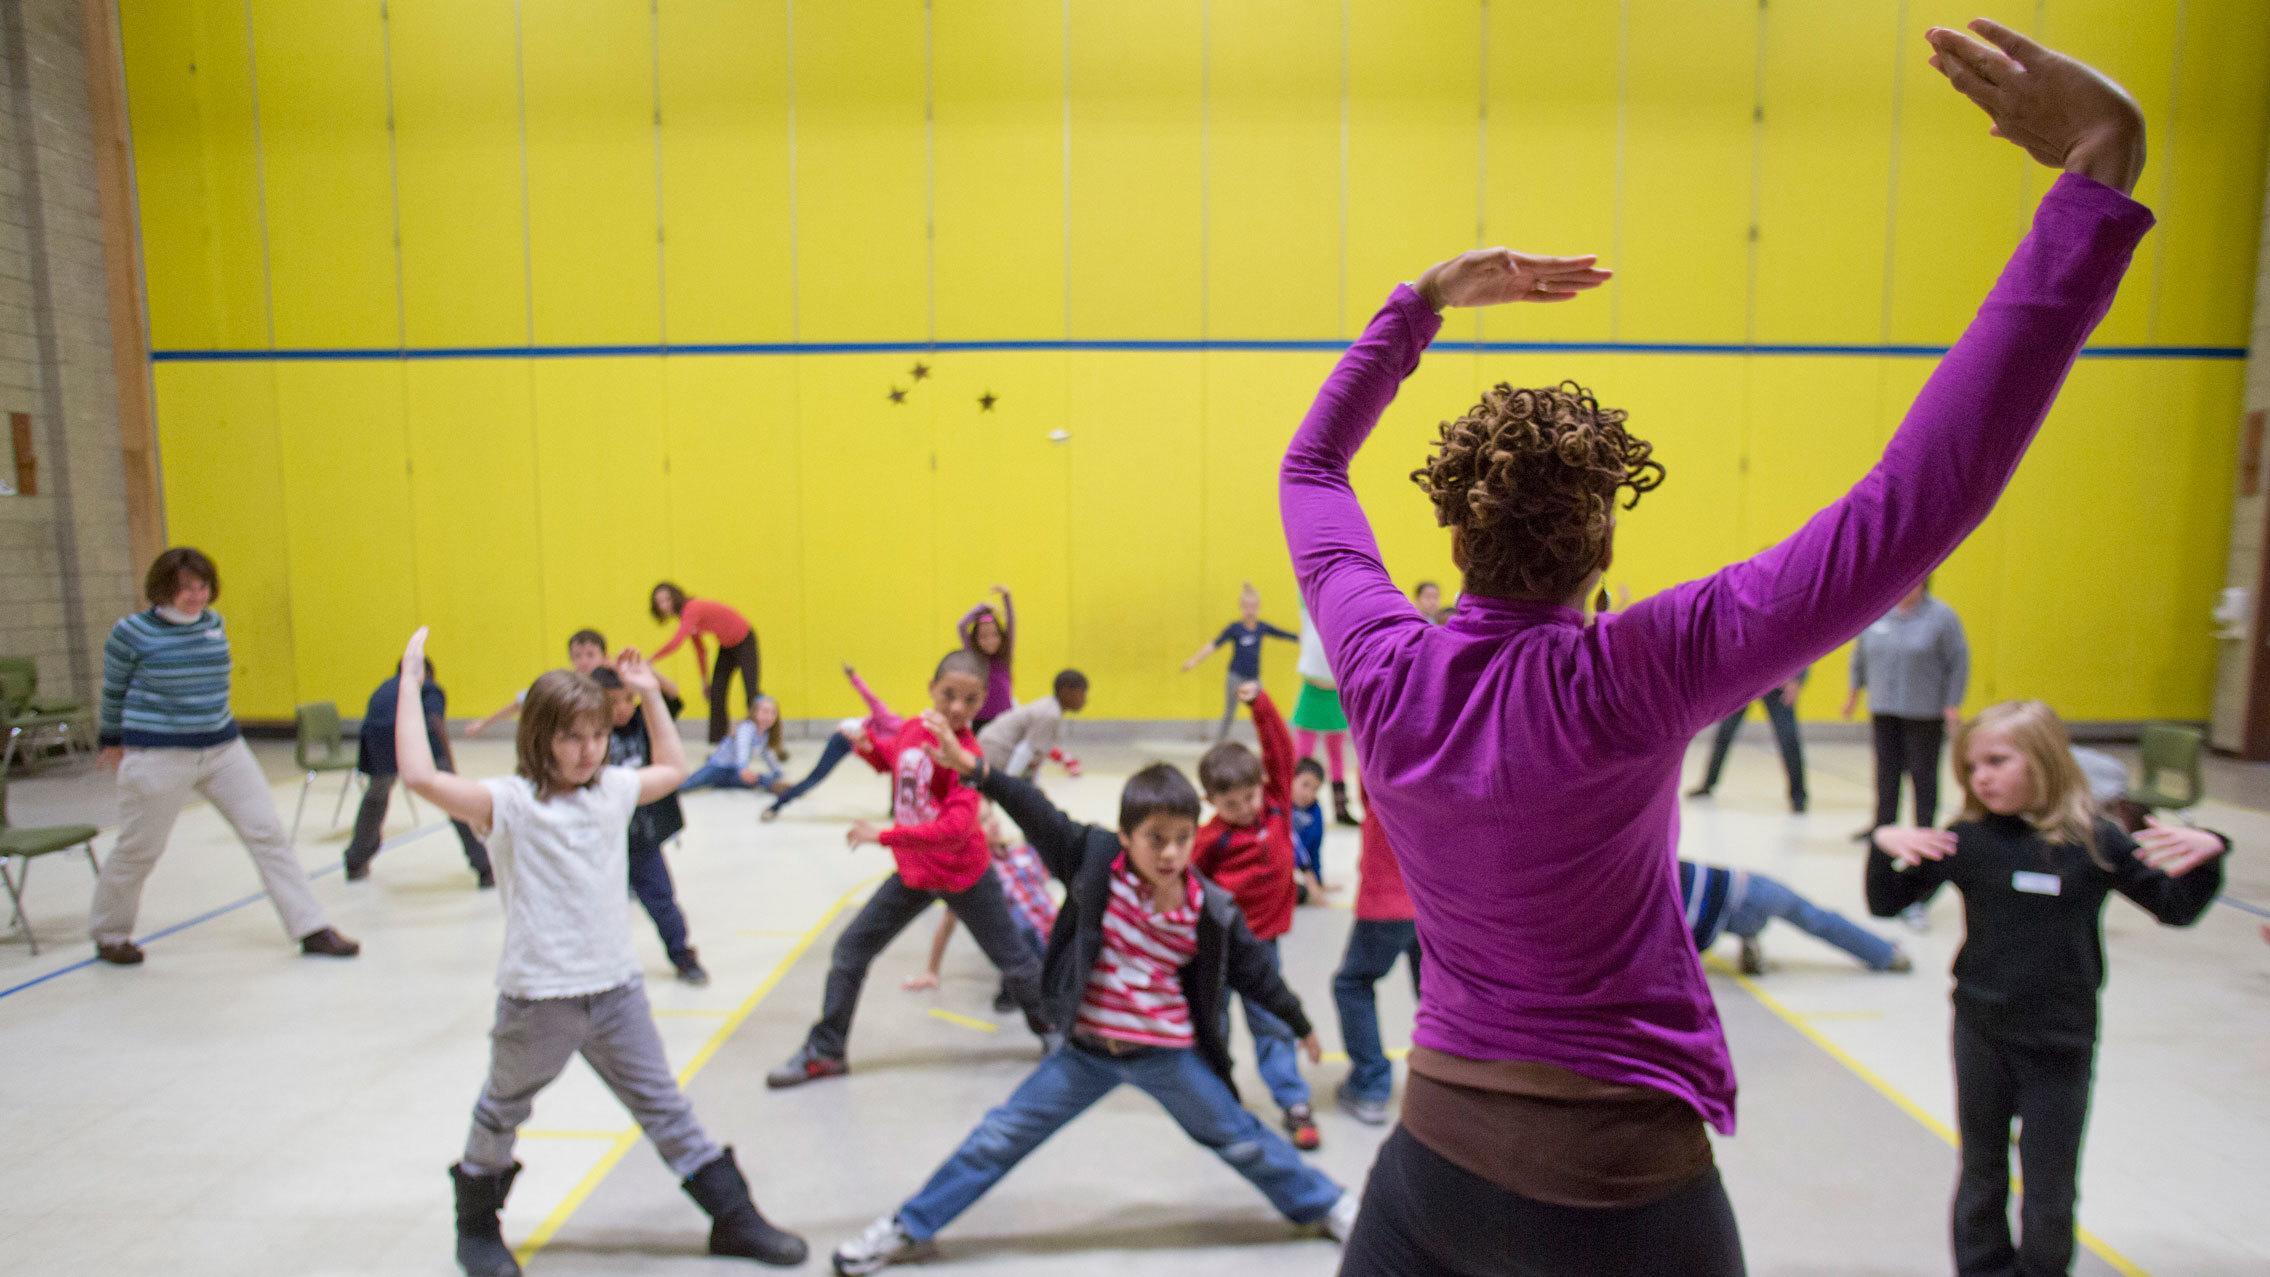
[{"x": 1528, "y": 478}]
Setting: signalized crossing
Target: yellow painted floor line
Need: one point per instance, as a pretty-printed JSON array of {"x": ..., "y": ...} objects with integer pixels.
[
  {"x": 1796, "y": 1020},
  {"x": 966, "y": 1021},
  {"x": 1842, "y": 1015},
  {"x": 628, "y": 1140},
  {"x": 533, "y": 1133},
  {"x": 770, "y": 935}
]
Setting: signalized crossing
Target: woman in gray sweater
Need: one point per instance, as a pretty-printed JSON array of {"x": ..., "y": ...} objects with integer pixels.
[{"x": 1914, "y": 664}]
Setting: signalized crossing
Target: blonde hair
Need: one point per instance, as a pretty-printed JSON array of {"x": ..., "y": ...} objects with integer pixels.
[
  {"x": 2063, "y": 808},
  {"x": 775, "y": 739},
  {"x": 558, "y": 702}
]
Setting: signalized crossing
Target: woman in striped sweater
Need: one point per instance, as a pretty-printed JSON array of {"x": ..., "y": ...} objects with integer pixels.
[{"x": 167, "y": 729}]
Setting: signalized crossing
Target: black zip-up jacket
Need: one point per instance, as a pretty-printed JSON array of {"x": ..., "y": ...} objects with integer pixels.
[
  {"x": 2032, "y": 959},
  {"x": 1080, "y": 856}
]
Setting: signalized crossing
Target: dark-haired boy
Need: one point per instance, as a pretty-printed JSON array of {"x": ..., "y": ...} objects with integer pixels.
[
  {"x": 940, "y": 853},
  {"x": 1025, "y": 737},
  {"x": 1143, "y": 954},
  {"x": 653, "y": 824},
  {"x": 587, "y": 651},
  {"x": 1248, "y": 848}
]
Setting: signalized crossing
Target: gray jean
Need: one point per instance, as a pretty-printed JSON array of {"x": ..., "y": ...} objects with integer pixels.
[
  {"x": 1230, "y": 683},
  {"x": 614, "y": 1030}
]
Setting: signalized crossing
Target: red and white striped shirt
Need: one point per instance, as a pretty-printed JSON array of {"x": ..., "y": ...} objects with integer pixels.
[{"x": 1134, "y": 991}]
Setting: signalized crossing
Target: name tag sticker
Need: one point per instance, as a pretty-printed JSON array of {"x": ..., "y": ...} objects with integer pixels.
[{"x": 2037, "y": 884}]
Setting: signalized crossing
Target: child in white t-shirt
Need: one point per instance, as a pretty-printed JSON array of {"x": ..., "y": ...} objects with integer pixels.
[{"x": 568, "y": 981}]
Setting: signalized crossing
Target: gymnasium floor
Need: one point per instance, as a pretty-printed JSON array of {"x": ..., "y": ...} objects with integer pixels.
[{"x": 230, "y": 1107}]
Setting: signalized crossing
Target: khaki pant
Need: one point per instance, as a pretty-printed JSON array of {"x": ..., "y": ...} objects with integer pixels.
[{"x": 153, "y": 785}]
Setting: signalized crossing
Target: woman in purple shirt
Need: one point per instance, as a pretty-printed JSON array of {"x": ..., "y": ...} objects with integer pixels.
[{"x": 1525, "y": 761}]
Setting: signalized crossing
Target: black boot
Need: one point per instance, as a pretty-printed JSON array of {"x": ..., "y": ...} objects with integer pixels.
[
  {"x": 1340, "y": 814},
  {"x": 740, "y": 1229},
  {"x": 481, "y": 1251}
]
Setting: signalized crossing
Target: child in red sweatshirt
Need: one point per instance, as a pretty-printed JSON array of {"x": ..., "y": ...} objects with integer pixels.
[
  {"x": 1247, "y": 849},
  {"x": 941, "y": 855}
]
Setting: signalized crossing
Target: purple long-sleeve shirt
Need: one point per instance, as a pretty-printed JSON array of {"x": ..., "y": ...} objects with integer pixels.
[{"x": 1526, "y": 765}]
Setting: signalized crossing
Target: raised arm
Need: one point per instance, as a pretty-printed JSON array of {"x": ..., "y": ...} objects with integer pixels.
[
  {"x": 1277, "y": 757},
  {"x": 882, "y": 720},
  {"x": 1008, "y": 620},
  {"x": 1335, "y": 557},
  {"x": 466, "y": 800},
  {"x": 666, "y": 769},
  {"x": 1059, "y": 839},
  {"x": 1687, "y": 657}
]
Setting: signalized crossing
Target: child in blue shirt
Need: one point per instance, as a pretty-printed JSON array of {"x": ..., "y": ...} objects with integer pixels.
[{"x": 1308, "y": 830}]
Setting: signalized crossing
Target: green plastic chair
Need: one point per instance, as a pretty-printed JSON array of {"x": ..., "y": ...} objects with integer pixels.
[
  {"x": 322, "y": 746},
  {"x": 24, "y": 845},
  {"x": 31, "y": 729},
  {"x": 2168, "y": 767}
]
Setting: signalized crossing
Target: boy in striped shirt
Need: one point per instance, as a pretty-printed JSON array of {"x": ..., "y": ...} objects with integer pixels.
[{"x": 1142, "y": 957}]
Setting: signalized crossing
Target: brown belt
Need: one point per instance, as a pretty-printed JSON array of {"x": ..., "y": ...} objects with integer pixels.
[{"x": 1101, "y": 1045}]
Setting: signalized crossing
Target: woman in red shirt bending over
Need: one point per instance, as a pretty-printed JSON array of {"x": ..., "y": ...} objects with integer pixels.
[{"x": 736, "y": 647}]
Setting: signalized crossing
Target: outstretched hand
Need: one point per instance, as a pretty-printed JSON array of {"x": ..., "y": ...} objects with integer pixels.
[
  {"x": 1912, "y": 846},
  {"x": 414, "y": 659},
  {"x": 637, "y": 675},
  {"x": 1495, "y": 276},
  {"x": 2062, "y": 111},
  {"x": 2176, "y": 850},
  {"x": 947, "y": 752}
]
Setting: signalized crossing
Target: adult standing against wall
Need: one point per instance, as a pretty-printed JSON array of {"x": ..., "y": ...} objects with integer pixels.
[
  {"x": 736, "y": 647},
  {"x": 167, "y": 729},
  {"x": 1914, "y": 665}
]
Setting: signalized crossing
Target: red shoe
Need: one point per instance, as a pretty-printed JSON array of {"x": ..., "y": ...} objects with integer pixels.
[{"x": 1300, "y": 1126}]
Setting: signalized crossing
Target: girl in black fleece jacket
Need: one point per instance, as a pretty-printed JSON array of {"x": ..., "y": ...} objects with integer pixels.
[{"x": 2034, "y": 862}]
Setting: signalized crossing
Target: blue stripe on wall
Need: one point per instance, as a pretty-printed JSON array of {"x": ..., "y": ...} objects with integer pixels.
[{"x": 950, "y": 347}]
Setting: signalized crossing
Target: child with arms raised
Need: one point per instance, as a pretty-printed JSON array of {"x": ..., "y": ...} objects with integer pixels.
[{"x": 568, "y": 981}]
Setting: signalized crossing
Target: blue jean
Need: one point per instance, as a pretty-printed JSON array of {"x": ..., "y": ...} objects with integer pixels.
[
  {"x": 1373, "y": 947},
  {"x": 1765, "y": 899},
  {"x": 835, "y": 751},
  {"x": 1071, "y": 1080},
  {"x": 650, "y": 882},
  {"x": 1277, "y": 1053},
  {"x": 720, "y": 776}
]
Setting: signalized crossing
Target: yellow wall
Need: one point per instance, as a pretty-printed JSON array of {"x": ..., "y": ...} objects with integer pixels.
[{"x": 447, "y": 178}]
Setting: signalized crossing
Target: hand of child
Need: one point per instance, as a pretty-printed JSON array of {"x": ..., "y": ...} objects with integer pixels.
[
  {"x": 919, "y": 983},
  {"x": 1246, "y": 692},
  {"x": 849, "y": 672},
  {"x": 414, "y": 659},
  {"x": 637, "y": 675},
  {"x": 861, "y": 833},
  {"x": 1912, "y": 846},
  {"x": 1313, "y": 1049},
  {"x": 749, "y": 776},
  {"x": 948, "y": 751},
  {"x": 1001, "y": 590},
  {"x": 2175, "y": 850}
]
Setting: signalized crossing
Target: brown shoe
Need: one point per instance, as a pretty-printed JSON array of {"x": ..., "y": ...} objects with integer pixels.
[
  {"x": 124, "y": 953},
  {"x": 328, "y": 943}
]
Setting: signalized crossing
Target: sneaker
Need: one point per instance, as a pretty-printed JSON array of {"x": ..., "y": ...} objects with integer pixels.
[
  {"x": 1753, "y": 956},
  {"x": 1340, "y": 1221},
  {"x": 328, "y": 943},
  {"x": 1699, "y": 791},
  {"x": 487, "y": 878},
  {"x": 357, "y": 868},
  {"x": 1797, "y": 805},
  {"x": 123, "y": 953},
  {"x": 1368, "y": 1111},
  {"x": 1300, "y": 1127},
  {"x": 1917, "y": 917},
  {"x": 1003, "y": 1004},
  {"x": 770, "y": 814},
  {"x": 1901, "y": 963},
  {"x": 807, "y": 1065},
  {"x": 884, "y": 1243}
]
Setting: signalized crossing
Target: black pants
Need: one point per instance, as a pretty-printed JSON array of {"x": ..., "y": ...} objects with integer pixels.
[
  {"x": 1424, "y": 1216},
  {"x": 1783, "y": 716},
  {"x": 2047, "y": 1091},
  {"x": 1907, "y": 747},
  {"x": 370, "y": 818},
  {"x": 650, "y": 882},
  {"x": 888, "y": 912},
  {"x": 741, "y": 656}
]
